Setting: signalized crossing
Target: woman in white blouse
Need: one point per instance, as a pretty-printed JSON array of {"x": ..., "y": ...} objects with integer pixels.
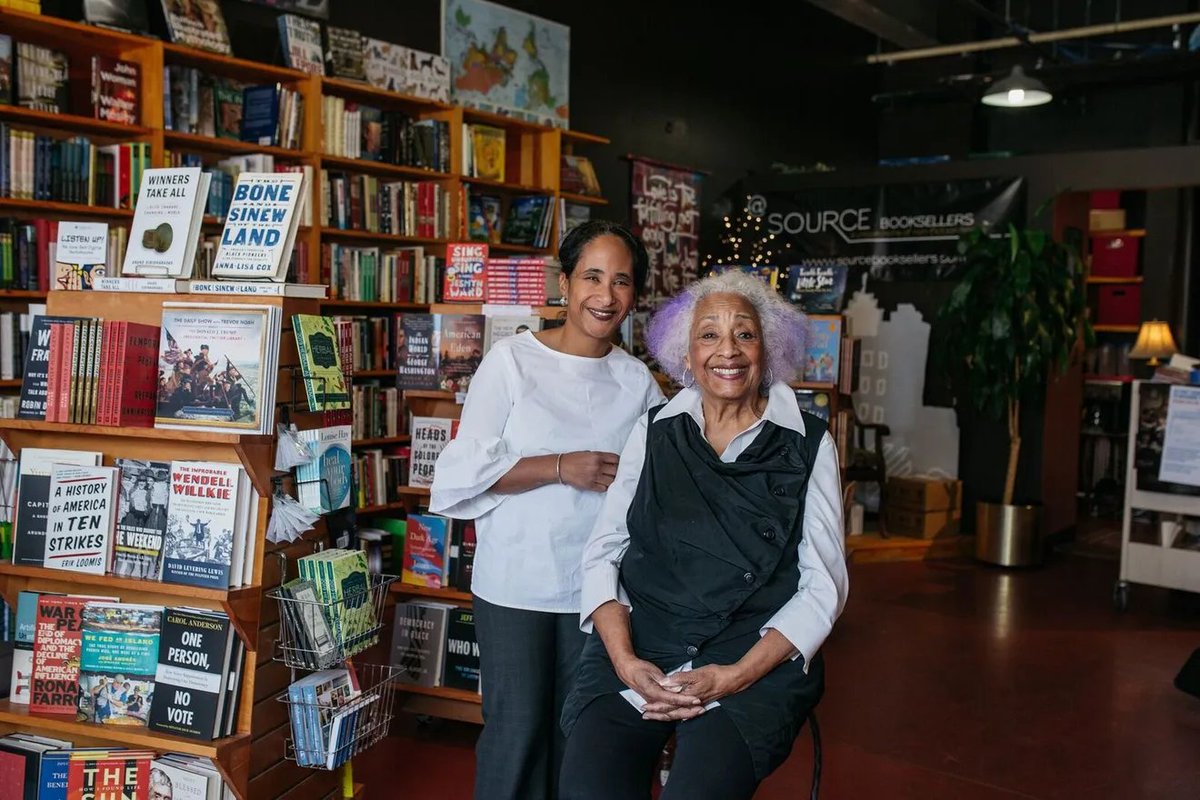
[{"x": 536, "y": 449}]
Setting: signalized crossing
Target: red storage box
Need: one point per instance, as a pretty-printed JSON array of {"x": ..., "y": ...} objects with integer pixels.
[
  {"x": 1119, "y": 304},
  {"x": 1108, "y": 198},
  {"x": 1115, "y": 256}
]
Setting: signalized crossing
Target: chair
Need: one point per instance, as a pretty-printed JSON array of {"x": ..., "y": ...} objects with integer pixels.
[
  {"x": 865, "y": 464},
  {"x": 664, "y": 767}
]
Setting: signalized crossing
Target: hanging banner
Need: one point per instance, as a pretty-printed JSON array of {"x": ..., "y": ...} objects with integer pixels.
[
  {"x": 665, "y": 213},
  {"x": 901, "y": 232}
]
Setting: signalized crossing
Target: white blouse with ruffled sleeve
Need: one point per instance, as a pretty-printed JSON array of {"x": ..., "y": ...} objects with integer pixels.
[{"x": 527, "y": 399}]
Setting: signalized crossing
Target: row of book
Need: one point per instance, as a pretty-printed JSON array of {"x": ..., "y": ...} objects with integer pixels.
[
  {"x": 527, "y": 221},
  {"x": 100, "y": 372},
  {"x": 354, "y": 130},
  {"x": 434, "y": 644},
  {"x": 29, "y": 256},
  {"x": 96, "y": 659},
  {"x": 184, "y": 522},
  {"x": 442, "y": 351},
  {"x": 224, "y": 174},
  {"x": 377, "y": 412},
  {"x": 333, "y": 717},
  {"x": 439, "y": 553},
  {"x": 331, "y": 611},
  {"x": 39, "y": 767},
  {"x": 371, "y": 344},
  {"x": 398, "y": 208},
  {"x": 385, "y": 275},
  {"x": 106, "y": 88},
  {"x": 75, "y": 170},
  {"x": 378, "y": 476}
]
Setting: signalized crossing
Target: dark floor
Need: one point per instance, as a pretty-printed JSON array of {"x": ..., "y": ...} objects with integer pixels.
[{"x": 949, "y": 680}]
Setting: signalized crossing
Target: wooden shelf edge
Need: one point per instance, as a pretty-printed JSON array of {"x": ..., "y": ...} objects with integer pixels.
[
  {"x": 72, "y": 122},
  {"x": 380, "y": 441},
  {"x": 506, "y": 186},
  {"x": 427, "y": 394},
  {"x": 384, "y": 168},
  {"x": 385, "y": 305},
  {"x": 580, "y": 136},
  {"x": 383, "y": 509},
  {"x": 215, "y": 144},
  {"x": 342, "y": 86},
  {"x": 449, "y": 595},
  {"x": 372, "y": 236},
  {"x": 583, "y": 199},
  {"x": 415, "y": 491},
  {"x": 208, "y": 437},
  {"x": 54, "y": 207},
  {"x": 442, "y": 692},
  {"x": 191, "y": 56}
]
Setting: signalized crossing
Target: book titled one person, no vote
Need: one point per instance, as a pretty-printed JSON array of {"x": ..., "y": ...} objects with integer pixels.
[{"x": 260, "y": 228}]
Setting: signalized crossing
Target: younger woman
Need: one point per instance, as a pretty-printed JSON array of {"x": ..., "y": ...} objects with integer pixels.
[{"x": 544, "y": 419}]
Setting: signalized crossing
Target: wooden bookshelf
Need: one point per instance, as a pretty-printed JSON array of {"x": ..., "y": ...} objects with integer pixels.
[
  {"x": 1115, "y": 328},
  {"x": 448, "y": 595},
  {"x": 414, "y": 491},
  {"x": 375, "y": 373},
  {"x": 1107, "y": 280},
  {"x": 583, "y": 199},
  {"x": 380, "y": 442},
  {"x": 532, "y": 165},
  {"x": 21, "y": 294},
  {"x": 443, "y": 692}
]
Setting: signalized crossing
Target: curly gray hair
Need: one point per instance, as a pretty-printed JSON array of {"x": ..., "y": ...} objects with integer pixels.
[{"x": 784, "y": 326}]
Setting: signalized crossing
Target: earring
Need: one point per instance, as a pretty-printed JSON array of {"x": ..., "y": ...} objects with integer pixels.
[{"x": 689, "y": 380}]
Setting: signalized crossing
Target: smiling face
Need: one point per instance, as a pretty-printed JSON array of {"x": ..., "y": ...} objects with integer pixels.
[
  {"x": 725, "y": 347},
  {"x": 600, "y": 290}
]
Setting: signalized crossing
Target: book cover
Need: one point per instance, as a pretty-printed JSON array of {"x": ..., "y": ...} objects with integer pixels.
[
  {"x": 302, "y": 43},
  {"x": 463, "y": 280},
  {"x": 80, "y": 255},
  {"x": 116, "y": 774},
  {"x": 824, "y": 343},
  {"x": 460, "y": 349},
  {"x": 141, "y": 518},
  {"x": 80, "y": 519},
  {"x": 6, "y": 69},
  {"x": 525, "y": 219},
  {"x": 317, "y": 343},
  {"x": 817, "y": 290},
  {"x": 37, "y": 368},
  {"x": 814, "y": 402},
  {"x": 426, "y": 75},
  {"x": 194, "y": 651},
  {"x": 169, "y": 781},
  {"x": 487, "y": 143},
  {"x": 166, "y": 222},
  {"x": 429, "y": 436},
  {"x": 349, "y": 584},
  {"x": 116, "y": 85},
  {"x": 325, "y": 483},
  {"x": 426, "y": 544},
  {"x": 118, "y": 660},
  {"x": 212, "y": 360},
  {"x": 419, "y": 641},
  {"x": 465, "y": 563},
  {"x": 58, "y": 637},
  {"x": 23, "y": 637},
  {"x": 201, "y": 515},
  {"x": 497, "y": 328},
  {"x": 415, "y": 351},
  {"x": 384, "y": 65},
  {"x": 462, "y": 651},
  {"x": 198, "y": 23},
  {"x": 33, "y": 499},
  {"x": 345, "y": 53},
  {"x": 261, "y": 108},
  {"x": 124, "y": 15},
  {"x": 19, "y": 769},
  {"x": 260, "y": 226}
]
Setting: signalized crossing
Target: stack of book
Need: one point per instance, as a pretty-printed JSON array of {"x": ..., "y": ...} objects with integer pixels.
[{"x": 515, "y": 281}]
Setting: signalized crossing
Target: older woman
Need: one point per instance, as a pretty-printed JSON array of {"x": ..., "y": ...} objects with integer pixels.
[{"x": 716, "y": 568}]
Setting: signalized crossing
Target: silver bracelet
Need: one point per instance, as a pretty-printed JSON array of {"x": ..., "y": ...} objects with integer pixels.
[{"x": 558, "y": 468}]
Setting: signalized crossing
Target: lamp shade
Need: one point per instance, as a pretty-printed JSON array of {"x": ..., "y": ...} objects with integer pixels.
[
  {"x": 1154, "y": 341},
  {"x": 1018, "y": 90}
]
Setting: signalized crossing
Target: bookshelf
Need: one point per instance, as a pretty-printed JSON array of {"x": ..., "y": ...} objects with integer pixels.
[{"x": 533, "y": 154}]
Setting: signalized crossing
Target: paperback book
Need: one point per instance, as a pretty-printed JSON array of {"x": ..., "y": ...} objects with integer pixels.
[
  {"x": 118, "y": 661},
  {"x": 201, "y": 518},
  {"x": 317, "y": 343},
  {"x": 194, "y": 654},
  {"x": 79, "y": 523},
  {"x": 141, "y": 518},
  {"x": 198, "y": 23}
]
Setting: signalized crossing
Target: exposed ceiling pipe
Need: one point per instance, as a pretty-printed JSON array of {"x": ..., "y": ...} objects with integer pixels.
[
  {"x": 1085, "y": 32},
  {"x": 1021, "y": 33}
]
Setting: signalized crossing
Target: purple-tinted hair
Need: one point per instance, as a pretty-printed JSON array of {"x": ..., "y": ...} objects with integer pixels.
[{"x": 784, "y": 326}]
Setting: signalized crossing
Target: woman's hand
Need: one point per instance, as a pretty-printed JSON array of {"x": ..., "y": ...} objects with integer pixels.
[
  {"x": 710, "y": 682},
  {"x": 662, "y": 703},
  {"x": 589, "y": 470}
]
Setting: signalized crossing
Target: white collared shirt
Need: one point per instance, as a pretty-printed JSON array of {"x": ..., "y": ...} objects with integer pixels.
[
  {"x": 822, "y": 580},
  {"x": 527, "y": 399}
]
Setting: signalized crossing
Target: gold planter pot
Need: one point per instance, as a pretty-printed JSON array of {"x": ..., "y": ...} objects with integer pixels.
[{"x": 1009, "y": 536}]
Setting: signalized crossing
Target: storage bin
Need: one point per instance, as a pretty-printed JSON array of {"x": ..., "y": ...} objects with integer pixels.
[
  {"x": 1106, "y": 198},
  {"x": 1119, "y": 305},
  {"x": 1115, "y": 256}
]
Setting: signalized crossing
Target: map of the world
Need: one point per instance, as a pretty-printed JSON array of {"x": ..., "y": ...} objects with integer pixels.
[{"x": 507, "y": 62}]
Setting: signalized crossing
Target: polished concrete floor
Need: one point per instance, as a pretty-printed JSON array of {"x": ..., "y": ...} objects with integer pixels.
[{"x": 947, "y": 680}]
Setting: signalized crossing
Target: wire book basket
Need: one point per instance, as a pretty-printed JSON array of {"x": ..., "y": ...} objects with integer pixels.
[
  {"x": 336, "y": 716},
  {"x": 316, "y": 634}
]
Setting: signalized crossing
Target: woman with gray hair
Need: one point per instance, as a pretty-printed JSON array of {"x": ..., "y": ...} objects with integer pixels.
[{"x": 716, "y": 568}]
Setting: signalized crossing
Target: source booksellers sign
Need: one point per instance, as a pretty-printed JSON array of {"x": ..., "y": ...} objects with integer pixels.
[{"x": 903, "y": 232}]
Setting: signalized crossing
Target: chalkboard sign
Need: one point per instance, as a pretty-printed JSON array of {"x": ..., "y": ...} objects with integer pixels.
[{"x": 665, "y": 213}]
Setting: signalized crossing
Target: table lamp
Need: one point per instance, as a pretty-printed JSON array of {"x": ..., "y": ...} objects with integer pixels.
[{"x": 1154, "y": 341}]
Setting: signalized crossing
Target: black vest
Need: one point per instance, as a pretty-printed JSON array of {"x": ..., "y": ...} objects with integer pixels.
[{"x": 712, "y": 556}]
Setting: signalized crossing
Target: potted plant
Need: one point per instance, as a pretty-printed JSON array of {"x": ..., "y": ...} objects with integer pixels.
[{"x": 1018, "y": 313}]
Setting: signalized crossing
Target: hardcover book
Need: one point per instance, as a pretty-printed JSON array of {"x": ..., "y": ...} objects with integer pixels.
[
  {"x": 58, "y": 637},
  {"x": 426, "y": 551},
  {"x": 345, "y": 53},
  {"x": 817, "y": 290},
  {"x": 419, "y": 641},
  {"x": 79, "y": 523},
  {"x": 115, "y": 90},
  {"x": 124, "y": 15},
  {"x": 324, "y": 484},
  {"x": 141, "y": 518},
  {"x": 416, "y": 352},
  {"x": 317, "y": 343},
  {"x": 201, "y": 516},
  {"x": 460, "y": 349},
  {"x": 463, "y": 281},
  {"x": 824, "y": 349},
  {"x": 260, "y": 228},
  {"x": 37, "y": 368},
  {"x": 462, "y": 651},
  {"x": 97, "y": 774},
  {"x": 166, "y": 223},
  {"x": 194, "y": 653},
  {"x": 430, "y": 435},
  {"x": 198, "y": 23},
  {"x": 302, "y": 43},
  {"x": 118, "y": 661},
  {"x": 33, "y": 499}
]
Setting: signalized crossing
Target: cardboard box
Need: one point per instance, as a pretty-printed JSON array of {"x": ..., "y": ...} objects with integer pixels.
[
  {"x": 922, "y": 525},
  {"x": 924, "y": 494},
  {"x": 1106, "y": 219}
]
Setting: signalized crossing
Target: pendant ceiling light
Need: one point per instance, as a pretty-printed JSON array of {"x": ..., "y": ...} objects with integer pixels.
[{"x": 1018, "y": 90}]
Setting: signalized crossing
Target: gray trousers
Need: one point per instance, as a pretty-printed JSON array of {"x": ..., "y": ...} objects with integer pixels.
[{"x": 527, "y": 661}]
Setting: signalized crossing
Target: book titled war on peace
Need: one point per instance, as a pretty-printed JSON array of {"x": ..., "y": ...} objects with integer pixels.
[{"x": 260, "y": 227}]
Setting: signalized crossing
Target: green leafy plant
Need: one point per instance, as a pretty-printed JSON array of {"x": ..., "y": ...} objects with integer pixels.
[{"x": 1017, "y": 315}]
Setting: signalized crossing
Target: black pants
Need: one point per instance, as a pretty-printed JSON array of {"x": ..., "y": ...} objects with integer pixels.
[
  {"x": 527, "y": 660},
  {"x": 613, "y": 754}
]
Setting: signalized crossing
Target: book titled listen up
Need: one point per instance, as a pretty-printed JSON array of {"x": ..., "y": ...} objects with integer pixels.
[{"x": 260, "y": 228}]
